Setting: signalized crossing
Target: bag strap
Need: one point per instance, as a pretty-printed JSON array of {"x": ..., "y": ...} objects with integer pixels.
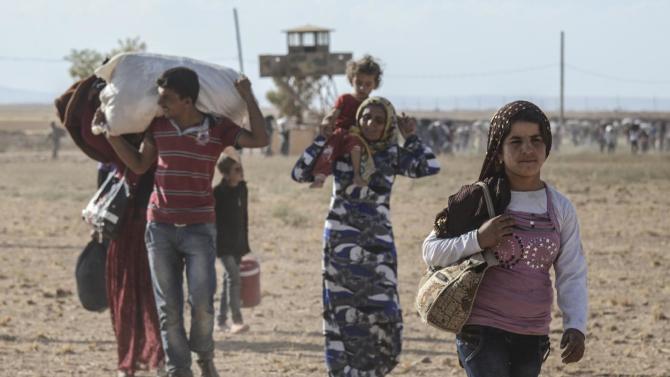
[
  {"x": 488, "y": 254},
  {"x": 487, "y": 198}
]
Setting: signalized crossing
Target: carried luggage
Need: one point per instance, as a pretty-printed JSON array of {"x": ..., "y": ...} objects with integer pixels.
[
  {"x": 250, "y": 281},
  {"x": 130, "y": 98},
  {"x": 90, "y": 276},
  {"x": 446, "y": 294},
  {"x": 105, "y": 211}
]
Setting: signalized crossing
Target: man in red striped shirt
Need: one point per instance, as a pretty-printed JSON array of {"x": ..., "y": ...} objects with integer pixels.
[{"x": 185, "y": 145}]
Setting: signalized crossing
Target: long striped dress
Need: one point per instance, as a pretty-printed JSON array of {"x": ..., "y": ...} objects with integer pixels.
[{"x": 362, "y": 315}]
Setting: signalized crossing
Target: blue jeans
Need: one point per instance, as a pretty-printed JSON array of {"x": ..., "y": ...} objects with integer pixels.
[
  {"x": 230, "y": 294},
  {"x": 171, "y": 248},
  {"x": 489, "y": 352}
]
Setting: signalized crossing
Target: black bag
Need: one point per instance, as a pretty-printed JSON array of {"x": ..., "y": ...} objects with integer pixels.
[
  {"x": 90, "y": 276},
  {"x": 105, "y": 210}
]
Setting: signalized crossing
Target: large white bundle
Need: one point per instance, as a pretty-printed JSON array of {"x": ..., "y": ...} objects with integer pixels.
[{"x": 130, "y": 98}]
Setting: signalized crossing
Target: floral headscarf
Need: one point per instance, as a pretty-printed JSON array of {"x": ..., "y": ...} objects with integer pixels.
[
  {"x": 466, "y": 210},
  {"x": 501, "y": 124},
  {"x": 388, "y": 138}
]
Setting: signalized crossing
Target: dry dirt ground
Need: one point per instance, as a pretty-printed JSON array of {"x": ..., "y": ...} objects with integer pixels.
[{"x": 622, "y": 202}]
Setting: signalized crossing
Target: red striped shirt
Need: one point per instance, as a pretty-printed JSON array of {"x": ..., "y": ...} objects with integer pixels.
[{"x": 185, "y": 168}]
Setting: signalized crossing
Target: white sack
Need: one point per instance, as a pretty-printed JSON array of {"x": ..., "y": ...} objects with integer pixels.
[{"x": 130, "y": 98}]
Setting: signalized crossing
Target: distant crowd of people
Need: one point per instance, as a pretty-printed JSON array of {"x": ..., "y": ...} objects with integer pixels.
[{"x": 453, "y": 136}]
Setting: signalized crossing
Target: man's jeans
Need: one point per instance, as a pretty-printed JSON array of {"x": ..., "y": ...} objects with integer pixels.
[
  {"x": 489, "y": 352},
  {"x": 171, "y": 248},
  {"x": 230, "y": 294}
]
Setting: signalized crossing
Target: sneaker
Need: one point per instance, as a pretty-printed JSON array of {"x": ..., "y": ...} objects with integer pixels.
[
  {"x": 207, "y": 368},
  {"x": 238, "y": 328}
]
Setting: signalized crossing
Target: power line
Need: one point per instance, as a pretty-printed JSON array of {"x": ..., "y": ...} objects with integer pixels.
[
  {"x": 433, "y": 76},
  {"x": 501, "y": 72},
  {"x": 32, "y": 59},
  {"x": 616, "y": 78},
  {"x": 36, "y": 59},
  {"x": 229, "y": 58}
]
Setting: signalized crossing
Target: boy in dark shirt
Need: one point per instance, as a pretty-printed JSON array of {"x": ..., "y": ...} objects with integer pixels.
[{"x": 232, "y": 239}]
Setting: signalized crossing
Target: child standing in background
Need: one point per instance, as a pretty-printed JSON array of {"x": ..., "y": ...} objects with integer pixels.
[
  {"x": 232, "y": 240},
  {"x": 364, "y": 75}
]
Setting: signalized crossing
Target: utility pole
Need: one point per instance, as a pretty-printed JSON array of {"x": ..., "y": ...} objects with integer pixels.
[
  {"x": 562, "y": 79},
  {"x": 239, "y": 42}
]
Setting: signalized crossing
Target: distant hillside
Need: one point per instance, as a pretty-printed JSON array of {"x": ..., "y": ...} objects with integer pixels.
[
  {"x": 21, "y": 96},
  {"x": 27, "y": 112}
]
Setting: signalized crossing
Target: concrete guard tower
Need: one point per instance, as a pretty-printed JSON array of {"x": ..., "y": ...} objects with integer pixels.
[{"x": 308, "y": 56}]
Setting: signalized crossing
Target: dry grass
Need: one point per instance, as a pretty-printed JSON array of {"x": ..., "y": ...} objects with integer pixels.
[{"x": 622, "y": 202}]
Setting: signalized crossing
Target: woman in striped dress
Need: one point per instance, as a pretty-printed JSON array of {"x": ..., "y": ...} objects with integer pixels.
[{"x": 362, "y": 315}]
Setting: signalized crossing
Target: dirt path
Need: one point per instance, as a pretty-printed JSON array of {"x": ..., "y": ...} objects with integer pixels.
[{"x": 622, "y": 203}]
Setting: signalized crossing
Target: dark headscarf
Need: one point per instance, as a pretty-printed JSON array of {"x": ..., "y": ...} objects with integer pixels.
[
  {"x": 466, "y": 210},
  {"x": 501, "y": 124}
]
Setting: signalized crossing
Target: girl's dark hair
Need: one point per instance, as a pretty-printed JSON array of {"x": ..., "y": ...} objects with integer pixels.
[
  {"x": 184, "y": 81},
  {"x": 367, "y": 65},
  {"x": 225, "y": 165}
]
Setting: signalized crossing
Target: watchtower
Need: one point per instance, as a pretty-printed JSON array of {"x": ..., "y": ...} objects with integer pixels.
[
  {"x": 308, "y": 55},
  {"x": 308, "y": 59}
]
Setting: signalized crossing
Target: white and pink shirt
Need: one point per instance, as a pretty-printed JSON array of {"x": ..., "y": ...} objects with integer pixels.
[{"x": 517, "y": 295}]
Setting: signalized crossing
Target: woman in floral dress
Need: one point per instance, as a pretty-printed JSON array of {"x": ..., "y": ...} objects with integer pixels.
[{"x": 362, "y": 315}]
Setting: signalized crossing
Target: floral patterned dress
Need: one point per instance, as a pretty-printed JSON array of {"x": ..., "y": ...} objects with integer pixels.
[{"x": 362, "y": 315}]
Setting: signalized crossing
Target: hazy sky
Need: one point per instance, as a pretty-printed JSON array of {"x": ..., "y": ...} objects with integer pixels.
[{"x": 430, "y": 49}]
